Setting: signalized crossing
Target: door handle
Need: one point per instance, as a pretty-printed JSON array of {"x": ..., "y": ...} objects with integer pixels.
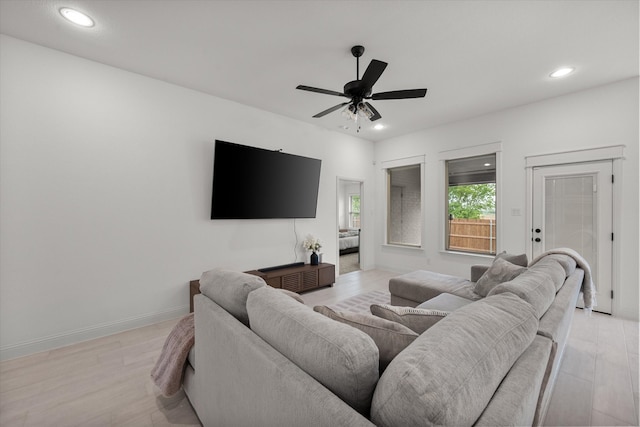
[
  {"x": 538, "y": 230},
  {"x": 537, "y": 239}
]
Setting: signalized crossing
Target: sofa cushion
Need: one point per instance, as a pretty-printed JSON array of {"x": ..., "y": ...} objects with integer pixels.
[
  {"x": 449, "y": 374},
  {"x": 520, "y": 259},
  {"x": 477, "y": 271},
  {"x": 500, "y": 271},
  {"x": 445, "y": 302},
  {"x": 514, "y": 402},
  {"x": 416, "y": 319},
  {"x": 340, "y": 357},
  {"x": 390, "y": 337},
  {"x": 229, "y": 289},
  {"x": 291, "y": 294},
  {"x": 568, "y": 263},
  {"x": 534, "y": 286},
  {"x": 553, "y": 268}
]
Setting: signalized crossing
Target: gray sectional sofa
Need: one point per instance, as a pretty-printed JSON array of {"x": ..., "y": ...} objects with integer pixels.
[
  {"x": 261, "y": 358},
  {"x": 551, "y": 285}
]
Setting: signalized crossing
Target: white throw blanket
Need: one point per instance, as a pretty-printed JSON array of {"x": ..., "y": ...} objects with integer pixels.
[{"x": 588, "y": 288}]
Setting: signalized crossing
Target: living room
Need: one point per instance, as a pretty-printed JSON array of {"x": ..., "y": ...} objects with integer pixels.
[{"x": 106, "y": 171}]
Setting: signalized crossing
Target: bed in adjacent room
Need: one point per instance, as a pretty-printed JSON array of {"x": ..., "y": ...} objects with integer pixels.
[{"x": 348, "y": 240}]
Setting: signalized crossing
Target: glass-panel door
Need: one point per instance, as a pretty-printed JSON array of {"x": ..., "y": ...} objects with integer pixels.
[
  {"x": 571, "y": 214},
  {"x": 572, "y": 208}
]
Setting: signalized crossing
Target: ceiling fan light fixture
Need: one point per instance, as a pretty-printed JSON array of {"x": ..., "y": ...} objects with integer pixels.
[
  {"x": 361, "y": 89},
  {"x": 561, "y": 72},
  {"x": 350, "y": 112},
  {"x": 76, "y": 17},
  {"x": 364, "y": 111}
]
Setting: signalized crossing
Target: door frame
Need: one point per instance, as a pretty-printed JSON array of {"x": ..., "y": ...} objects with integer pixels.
[
  {"x": 601, "y": 260},
  {"x": 615, "y": 153}
]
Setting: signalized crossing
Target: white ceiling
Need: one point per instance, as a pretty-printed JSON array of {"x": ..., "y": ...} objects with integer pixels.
[{"x": 475, "y": 57}]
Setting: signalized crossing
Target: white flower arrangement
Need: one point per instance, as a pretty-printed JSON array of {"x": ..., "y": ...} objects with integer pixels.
[{"x": 311, "y": 244}]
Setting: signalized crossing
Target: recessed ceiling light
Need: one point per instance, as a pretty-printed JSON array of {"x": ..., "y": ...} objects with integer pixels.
[
  {"x": 487, "y": 164},
  {"x": 379, "y": 126},
  {"x": 561, "y": 72},
  {"x": 76, "y": 17}
]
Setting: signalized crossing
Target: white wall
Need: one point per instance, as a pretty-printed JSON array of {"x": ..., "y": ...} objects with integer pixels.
[
  {"x": 105, "y": 186},
  {"x": 603, "y": 116}
]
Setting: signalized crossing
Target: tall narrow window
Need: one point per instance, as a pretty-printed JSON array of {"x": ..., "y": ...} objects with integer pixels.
[
  {"x": 404, "y": 204},
  {"x": 471, "y": 204},
  {"x": 354, "y": 211}
]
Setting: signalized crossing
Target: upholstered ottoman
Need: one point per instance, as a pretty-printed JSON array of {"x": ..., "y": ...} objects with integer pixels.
[{"x": 414, "y": 288}]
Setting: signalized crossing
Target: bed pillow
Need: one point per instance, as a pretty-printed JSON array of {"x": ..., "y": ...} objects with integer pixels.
[
  {"x": 390, "y": 337},
  {"x": 416, "y": 319},
  {"x": 499, "y": 272}
]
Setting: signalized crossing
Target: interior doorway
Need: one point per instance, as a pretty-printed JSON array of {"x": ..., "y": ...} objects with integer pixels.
[
  {"x": 573, "y": 208},
  {"x": 349, "y": 219}
]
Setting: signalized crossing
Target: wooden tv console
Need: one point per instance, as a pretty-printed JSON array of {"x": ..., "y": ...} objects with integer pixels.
[{"x": 297, "y": 279}]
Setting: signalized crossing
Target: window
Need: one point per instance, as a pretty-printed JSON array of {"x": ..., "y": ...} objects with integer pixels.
[
  {"x": 404, "y": 205},
  {"x": 471, "y": 204},
  {"x": 354, "y": 211}
]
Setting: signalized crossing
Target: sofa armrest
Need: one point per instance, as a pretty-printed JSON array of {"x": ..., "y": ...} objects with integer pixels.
[{"x": 477, "y": 271}]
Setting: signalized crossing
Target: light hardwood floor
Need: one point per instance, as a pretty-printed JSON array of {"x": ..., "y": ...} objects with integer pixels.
[{"x": 106, "y": 382}]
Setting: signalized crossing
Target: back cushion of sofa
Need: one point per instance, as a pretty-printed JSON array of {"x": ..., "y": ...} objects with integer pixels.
[
  {"x": 340, "y": 357},
  {"x": 534, "y": 286},
  {"x": 449, "y": 373},
  {"x": 568, "y": 263},
  {"x": 552, "y": 268},
  {"x": 229, "y": 289},
  {"x": 514, "y": 402}
]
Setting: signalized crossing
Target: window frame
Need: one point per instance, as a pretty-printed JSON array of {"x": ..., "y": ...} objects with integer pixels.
[
  {"x": 472, "y": 151},
  {"x": 400, "y": 163},
  {"x": 350, "y": 212}
]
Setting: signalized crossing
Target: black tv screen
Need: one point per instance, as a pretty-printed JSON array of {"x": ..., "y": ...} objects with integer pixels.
[{"x": 254, "y": 183}]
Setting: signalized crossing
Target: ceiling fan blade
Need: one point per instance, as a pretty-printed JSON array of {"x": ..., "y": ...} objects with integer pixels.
[
  {"x": 330, "y": 110},
  {"x": 373, "y": 72},
  {"x": 324, "y": 91},
  {"x": 376, "y": 115},
  {"x": 400, "y": 94}
]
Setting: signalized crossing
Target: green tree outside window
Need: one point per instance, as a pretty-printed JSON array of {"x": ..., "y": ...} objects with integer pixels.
[{"x": 472, "y": 201}]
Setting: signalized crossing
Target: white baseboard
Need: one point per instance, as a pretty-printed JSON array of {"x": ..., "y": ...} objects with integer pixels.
[{"x": 72, "y": 337}]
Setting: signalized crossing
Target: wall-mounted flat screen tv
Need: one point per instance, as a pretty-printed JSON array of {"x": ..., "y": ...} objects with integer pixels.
[{"x": 254, "y": 183}]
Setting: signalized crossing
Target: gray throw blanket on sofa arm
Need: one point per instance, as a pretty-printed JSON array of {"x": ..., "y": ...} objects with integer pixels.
[
  {"x": 588, "y": 288},
  {"x": 168, "y": 372}
]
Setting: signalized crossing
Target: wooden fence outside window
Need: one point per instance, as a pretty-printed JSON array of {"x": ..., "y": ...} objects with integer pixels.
[{"x": 473, "y": 235}]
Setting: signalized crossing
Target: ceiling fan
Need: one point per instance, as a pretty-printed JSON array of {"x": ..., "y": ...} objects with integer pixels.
[{"x": 360, "y": 90}]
